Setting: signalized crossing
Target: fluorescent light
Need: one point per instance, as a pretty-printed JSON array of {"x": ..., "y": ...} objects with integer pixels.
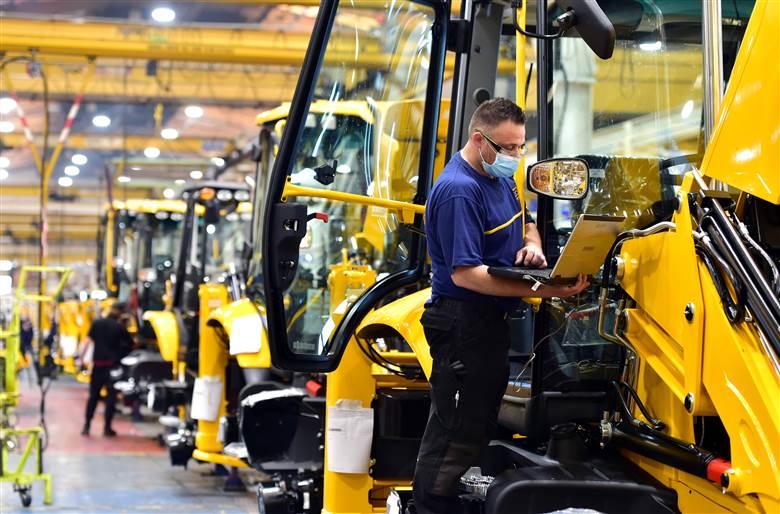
[
  {"x": 653, "y": 46},
  {"x": 152, "y": 152},
  {"x": 196, "y": 174},
  {"x": 7, "y": 104},
  {"x": 169, "y": 133},
  {"x": 135, "y": 168},
  {"x": 65, "y": 181},
  {"x": 7, "y": 127},
  {"x": 3, "y": 173},
  {"x": 79, "y": 159},
  {"x": 218, "y": 161},
  {"x": 163, "y": 15},
  {"x": 193, "y": 111},
  {"x": 180, "y": 181},
  {"x": 123, "y": 179},
  {"x": 101, "y": 121},
  {"x": 169, "y": 193},
  {"x": 72, "y": 171},
  {"x": 687, "y": 110},
  {"x": 5, "y": 162}
]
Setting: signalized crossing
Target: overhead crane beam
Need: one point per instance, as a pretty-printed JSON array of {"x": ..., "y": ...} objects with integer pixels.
[
  {"x": 185, "y": 43},
  {"x": 229, "y": 85},
  {"x": 182, "y": 43},
  {"x": 131, "y": 143}
]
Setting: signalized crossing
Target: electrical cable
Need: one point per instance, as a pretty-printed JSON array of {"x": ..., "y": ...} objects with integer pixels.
[
  {"x": 564, "y": 324},
  {"x": 410, "y": 372}
]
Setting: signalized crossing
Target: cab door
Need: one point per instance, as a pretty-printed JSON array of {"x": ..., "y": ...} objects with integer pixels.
[{"x": 349, "y": 183}]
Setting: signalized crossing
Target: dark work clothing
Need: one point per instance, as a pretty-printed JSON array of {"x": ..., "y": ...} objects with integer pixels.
[
  {"x": 469, "y": 343},
  {"x": 101, "y": 376},
  {"x": 470, "y": 220},
  {"x": 112, "y": 341},
  {"x": 26, "y": 335}
]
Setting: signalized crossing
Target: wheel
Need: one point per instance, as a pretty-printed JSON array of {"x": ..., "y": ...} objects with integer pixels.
[{"x": 26, "y": 498}]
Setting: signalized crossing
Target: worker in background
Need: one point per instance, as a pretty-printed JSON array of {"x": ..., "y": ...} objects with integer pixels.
[
  {"x": 110, "y": 341},
  {"x": 26, "y": 335},
  {"x": 473, "y": 220}
]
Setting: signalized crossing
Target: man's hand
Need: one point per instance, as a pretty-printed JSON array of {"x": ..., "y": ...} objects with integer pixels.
[
  {"x": 570, "y": 290},
  {"x": 531, "y": 255}
]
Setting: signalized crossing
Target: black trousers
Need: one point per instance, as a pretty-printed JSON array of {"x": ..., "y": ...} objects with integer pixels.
[
  {"x": 101, "y": 376},
  {"x": 469, "y": 344}
]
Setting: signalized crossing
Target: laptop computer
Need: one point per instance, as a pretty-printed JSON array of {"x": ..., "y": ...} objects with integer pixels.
[{"x": 584, "y": 252}]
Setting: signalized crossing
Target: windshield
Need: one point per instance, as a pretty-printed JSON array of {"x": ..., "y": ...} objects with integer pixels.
[
  {"x": 221, "y": 239},
  {"x": 126, "y": 257},
  {"x": 637, "y": 120},
  {"x": 362, "y": 137},
  {"x": 162, "y": 234}
]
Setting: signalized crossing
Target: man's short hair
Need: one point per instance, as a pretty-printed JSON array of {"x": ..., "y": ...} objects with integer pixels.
[
  {"x": 120, "y": 307},
  {"x": 493, "y": 113}
]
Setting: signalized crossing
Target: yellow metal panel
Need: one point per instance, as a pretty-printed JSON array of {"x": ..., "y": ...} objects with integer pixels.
[
  {"x": 167, "y": 332},
  {"x": 745, "y": 148},
  {"x": 224, "y": 318},
  {"x": 661, "y": 275},
  {"x": 403, "y": 316},
  {"x": 219, "y": 458},
  {"x": 745, "y": 388},
  {"x": 212, "y": 361}
]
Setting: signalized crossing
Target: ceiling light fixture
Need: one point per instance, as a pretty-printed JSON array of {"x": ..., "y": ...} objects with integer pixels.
[
  {"x": 79, "y": 159},
  {"x": 218, "y": 161},
  {"x": 193, "y": 111},
  {"x": 169, "y": 193},
  {"x": 196, "y": 174},
  {"x": 163, "y": 15},
  {"x": 180, "y": 181},
  {"x": 3, "y": 174},
  {"x": 135, "y": 168},
  {"x": 101, "y": 121},
  {"x": 6, "y": 127},
  {"x": 123, "y": 179},
  {"x": 7, "y": 104},
  {"x": 5, "y": 162},
  {"x": 72, "y": 171},
  {"x": 169, "y": 133},
  {"x": 65, "y": 181},
  {"x": 152, "y": 152}
]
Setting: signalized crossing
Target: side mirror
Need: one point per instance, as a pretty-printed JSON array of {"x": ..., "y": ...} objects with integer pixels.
[
  {"x": 592, "y": 25},
  {"x": 565, "y": 179}
]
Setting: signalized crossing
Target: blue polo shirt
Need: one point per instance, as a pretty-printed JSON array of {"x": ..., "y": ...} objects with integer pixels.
[{"x": 470, "y": 220}]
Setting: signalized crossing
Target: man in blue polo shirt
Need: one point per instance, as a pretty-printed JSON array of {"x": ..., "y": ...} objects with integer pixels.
[{"x": 473, "y": 220}]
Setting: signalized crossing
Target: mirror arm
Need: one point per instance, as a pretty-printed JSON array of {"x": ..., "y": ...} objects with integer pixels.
[{"x": 565, "y": 21}]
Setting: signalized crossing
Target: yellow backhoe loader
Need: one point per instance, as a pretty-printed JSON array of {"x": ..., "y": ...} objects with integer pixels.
[{"x": 658, "y": 391}]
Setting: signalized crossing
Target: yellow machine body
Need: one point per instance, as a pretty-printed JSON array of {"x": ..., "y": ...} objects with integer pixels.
[
  {"x": 214, "y": 356},
  {"x": 167, "y": 331},
  {"x": 717, "y": 368}
]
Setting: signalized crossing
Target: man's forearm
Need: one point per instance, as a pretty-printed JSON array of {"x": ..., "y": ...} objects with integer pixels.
[
  {"x": 532, "y": 235},
  {"x": 477, "y": 279}
]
